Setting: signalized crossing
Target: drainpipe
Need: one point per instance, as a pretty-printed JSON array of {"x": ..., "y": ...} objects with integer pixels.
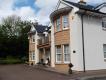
[{"x": 83, "y": 45}]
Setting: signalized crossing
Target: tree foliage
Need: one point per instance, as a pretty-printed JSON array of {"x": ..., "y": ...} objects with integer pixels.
[{"x": 13, "y": 37}]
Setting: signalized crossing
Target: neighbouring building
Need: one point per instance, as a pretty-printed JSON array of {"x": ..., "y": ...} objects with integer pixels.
[
  {"x": 39, "y": 43},
  {"x": 77, "y": 35}
]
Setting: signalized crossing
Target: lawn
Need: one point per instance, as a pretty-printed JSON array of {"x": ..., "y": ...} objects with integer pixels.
[{"x": 10, "y": 60}]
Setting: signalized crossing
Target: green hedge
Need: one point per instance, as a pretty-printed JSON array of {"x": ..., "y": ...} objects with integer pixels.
[{"x": 10, "y": 61}]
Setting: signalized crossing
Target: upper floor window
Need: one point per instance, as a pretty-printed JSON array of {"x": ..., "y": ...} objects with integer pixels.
[
  {"x": 104, "y": 50},
  {"x": 58, "y": 24},
  {"x": 33, "y": 38},
  {"x": 104, "y": 24},
  {"x": 65, "y": 22}
]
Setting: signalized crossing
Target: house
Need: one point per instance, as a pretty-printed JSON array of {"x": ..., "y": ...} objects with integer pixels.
[
  {"x": 39, "y": 43},
  {"x": 78, "y": 36}
]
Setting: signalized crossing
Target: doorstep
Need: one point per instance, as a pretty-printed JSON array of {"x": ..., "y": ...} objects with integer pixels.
[{"x": 50, "y": 69}]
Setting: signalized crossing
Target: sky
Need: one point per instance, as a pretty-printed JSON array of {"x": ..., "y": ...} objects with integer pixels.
[{"x": 32, "y": 10}]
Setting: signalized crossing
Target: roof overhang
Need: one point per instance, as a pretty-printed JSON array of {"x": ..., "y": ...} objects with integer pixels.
[
  {"x": 91, "y": 13},
  {"x": 32, "y": 32},
  {"x": 60, "y": 11}
]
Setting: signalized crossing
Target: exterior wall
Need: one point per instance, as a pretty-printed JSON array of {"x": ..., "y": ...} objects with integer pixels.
[
  {"x": 62, "y": 67},
  {"x": 95, "y": 37},
  {"x": 36, "y": 49},
  {"x": 76, "y": 41},
  {"x": 62, "y": 37},
  {"x": 52, "y": 47},
  {"x": 33, "y": 47}
]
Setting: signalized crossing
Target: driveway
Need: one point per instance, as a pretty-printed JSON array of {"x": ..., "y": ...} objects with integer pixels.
[{"x": 24, "y": 72}]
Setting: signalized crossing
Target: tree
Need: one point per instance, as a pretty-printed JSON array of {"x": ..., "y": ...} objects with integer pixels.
[{"x": 14, "y": 38}]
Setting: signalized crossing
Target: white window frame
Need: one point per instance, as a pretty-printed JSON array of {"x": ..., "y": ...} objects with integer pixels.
[
  {"x": 65, "y": 20},
  {"x": 104, "y": 24},
  {"x": 66, "y": 53},
  {"x": 104, "y": 52},
  {"x": 33, "y": 38},
  {"x": 32, "y": 56},
  {"x": 58, "y": 54},
  {"x": 58, "y": 25}
]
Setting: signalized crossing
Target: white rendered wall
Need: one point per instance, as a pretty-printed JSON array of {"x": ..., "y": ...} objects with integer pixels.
[
  {"x": 95, "y": 37},
  {"x": 52, "y": 47},
  {"x": 76, "y": 42}
]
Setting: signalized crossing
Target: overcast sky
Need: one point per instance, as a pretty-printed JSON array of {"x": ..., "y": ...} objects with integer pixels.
[{"x": 32, "y": 9}]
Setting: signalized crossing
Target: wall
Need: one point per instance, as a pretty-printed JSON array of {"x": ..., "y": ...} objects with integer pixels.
[
  {"x": 95, "y": 37},
  {"x": 76, "y": 42},
  {"x": 62, "y": 37}
]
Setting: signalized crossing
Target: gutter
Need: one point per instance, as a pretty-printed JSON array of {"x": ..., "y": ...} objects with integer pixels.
[{"x": 83, "y": 44}]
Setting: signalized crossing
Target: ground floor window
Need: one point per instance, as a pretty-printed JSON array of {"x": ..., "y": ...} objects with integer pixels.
[
  {"x": 58, "y": 54},
  {"x": 62, "y": 53},
  {"x": 66, "y": 53},
  {"x": 32, "y": 55},
  {"x": 104, "y": 50}
]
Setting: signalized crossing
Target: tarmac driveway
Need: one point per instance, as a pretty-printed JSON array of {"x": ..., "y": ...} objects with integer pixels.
[{"x": 24, "y": 72}]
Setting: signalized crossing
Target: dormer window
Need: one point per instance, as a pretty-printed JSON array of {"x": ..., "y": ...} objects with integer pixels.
[
  {"x": 104, "y": 24},
  {"x": 58, "y": 24},
  {"x": 65, "y": 22}
]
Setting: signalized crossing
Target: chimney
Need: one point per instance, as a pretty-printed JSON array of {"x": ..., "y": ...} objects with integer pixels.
[{"x": 82, "y": 2}]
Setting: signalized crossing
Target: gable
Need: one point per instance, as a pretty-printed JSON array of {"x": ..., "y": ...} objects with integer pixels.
[
  {"x": 102, "y": 8},
  {"x": 62, "y": 5},
  {"x": 32, "y": 28}
]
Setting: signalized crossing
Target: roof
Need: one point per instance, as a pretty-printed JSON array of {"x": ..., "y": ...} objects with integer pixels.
[
  {"x": 84, "y": 6},
  {"x": 40, "y": 28},
  {"x": 81, "y": 6}
]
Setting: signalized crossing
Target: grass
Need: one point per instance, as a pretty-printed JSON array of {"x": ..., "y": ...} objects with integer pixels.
[{"x": 10, "y": 60}]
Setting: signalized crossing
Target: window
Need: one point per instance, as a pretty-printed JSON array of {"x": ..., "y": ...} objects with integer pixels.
[
  {"x": 104, "y": 50},
  {"x": 65, "y": 22},
  {"x": 33, "y": 38},
  {"x": 58, "y": 24},
  {"x": 66, "y": 53},
  {"x": 58, "y": 54},
  {"x": 32, "y": 56},
  {"x": 104, "y": 24}
]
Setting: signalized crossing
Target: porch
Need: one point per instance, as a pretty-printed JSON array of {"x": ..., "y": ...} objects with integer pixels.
[{"x": 44, "y": 56}]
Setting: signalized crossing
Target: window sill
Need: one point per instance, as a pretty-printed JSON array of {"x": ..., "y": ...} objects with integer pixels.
[
  {"x": 58, "y": 63},
  {"x": 32, "y": 60},
  {"x": 32, "y": 42},
  {"x": 65, "y": 28},
  {"x": 66, "y": 62},
  {"x": 61, "y": 30},
  {"x": 61, "y": 63}
]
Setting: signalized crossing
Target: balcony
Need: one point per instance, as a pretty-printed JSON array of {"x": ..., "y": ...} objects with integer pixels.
[{"x": 44, "y": 42}]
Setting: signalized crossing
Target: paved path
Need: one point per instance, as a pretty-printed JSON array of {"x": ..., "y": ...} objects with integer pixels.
[{"x": 23, "y": 72}]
